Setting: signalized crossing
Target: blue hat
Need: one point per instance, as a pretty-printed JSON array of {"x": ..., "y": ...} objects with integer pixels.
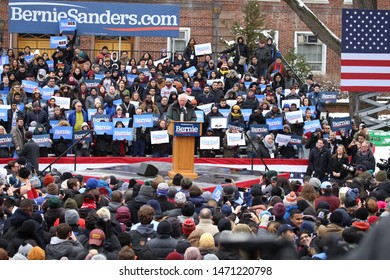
[
  {"x": 326, "y": 185},
  {"x": 284, "y": 228},
  {"x": 92, "y": 183},
  {"x": 226, "y": 210}
]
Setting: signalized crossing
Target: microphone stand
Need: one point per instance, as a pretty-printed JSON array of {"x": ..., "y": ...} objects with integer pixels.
[{"x": 257, "y": 153}]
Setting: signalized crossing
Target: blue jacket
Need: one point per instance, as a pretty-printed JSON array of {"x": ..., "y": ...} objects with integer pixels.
[{"x": 72, "y": 117}]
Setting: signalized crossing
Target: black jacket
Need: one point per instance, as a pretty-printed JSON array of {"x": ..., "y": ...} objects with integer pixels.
[
  {"x": 319, "y": 162},
  {"x": 31, "y": 152}
]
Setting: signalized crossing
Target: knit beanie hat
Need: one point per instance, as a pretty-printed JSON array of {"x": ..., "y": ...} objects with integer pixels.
[
  {"x": 36, "y": 253},
  {"x": 381, "y": 176},
  {"x": 164, "y": 227},
  {"x": 177, "y": 179},
  {"x": 48, "y": 179},
  {"x": 146, "y": 191},
  {"x": 52, "y": 188},
  {"x": 174, "y": 256},
  {"x": 54, "y": 202},
  {"x": 91, "y": 184},
  {"x": 72, "y": 217},
  {"x": 70, "y": 203},
  {"x": 279, "y": 210},
  {"x": 206, "y": 240},
  {"x": 162, "y": 189},
  {"x": 290, "y": 199},
  {"x": 188, "y": 226},
  {"x": 180, "y": 198}
]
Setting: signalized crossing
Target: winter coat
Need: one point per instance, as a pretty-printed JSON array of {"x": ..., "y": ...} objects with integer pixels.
[
  {"x": 174, "y": 112},
  {"x": 59, "y": 248},
  {"x": 162, "y": 245}
]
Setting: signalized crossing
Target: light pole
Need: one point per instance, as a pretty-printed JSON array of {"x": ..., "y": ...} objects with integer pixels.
[{"x": 217, "y": 8}]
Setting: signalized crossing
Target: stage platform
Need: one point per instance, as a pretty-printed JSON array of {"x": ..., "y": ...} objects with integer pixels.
[{"x": 209, "y": 176}]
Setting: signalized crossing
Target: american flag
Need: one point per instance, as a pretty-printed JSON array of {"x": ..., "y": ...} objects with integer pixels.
[{"x": 365, "y": 55}]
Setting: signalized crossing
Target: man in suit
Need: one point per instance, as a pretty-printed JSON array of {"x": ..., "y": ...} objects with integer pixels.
[{"x": 30, "y": 151}]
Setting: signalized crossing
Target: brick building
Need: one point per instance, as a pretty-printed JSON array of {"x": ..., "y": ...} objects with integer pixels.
[{"x": 198, "y": 21}]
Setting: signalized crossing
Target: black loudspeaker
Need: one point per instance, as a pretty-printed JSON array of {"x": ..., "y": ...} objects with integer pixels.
[{"x": 147, "y": 170}]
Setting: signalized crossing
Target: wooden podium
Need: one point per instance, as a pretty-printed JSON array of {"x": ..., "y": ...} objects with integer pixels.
[{"x": 184, "y": 134}]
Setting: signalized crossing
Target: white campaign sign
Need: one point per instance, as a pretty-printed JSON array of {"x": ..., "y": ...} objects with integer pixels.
[
  {"x": 209, "y": 143},
  {"x": 234, "y": 139},
  {"x": 202, "y": 49},
  {"x": 159, "y": 137}
]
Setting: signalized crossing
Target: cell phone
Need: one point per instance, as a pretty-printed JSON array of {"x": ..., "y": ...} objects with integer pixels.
[
  {"x": 61, "y": 192},
  {"x": 247, "y": 214},
  {"x": 228, "y": 180},
  {"x": 271, "y": 218},
  {"x": 241, "y": 189}
]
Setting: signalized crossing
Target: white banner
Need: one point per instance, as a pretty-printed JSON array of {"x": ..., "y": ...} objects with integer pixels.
[
  {"x": 218, "y": 122},
  {"x": 202, "y": 49},
  {"x": 294, "y": 117},
  {"x": 234, "y": 139},
  {"x": 282, "y": 139},
  {"x": 209, "y": 143},
  {"x": 159, "y": 137},
  {"x": 63, "y": 102}
]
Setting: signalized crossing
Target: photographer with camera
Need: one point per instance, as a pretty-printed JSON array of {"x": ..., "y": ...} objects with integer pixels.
[
  {"x": 319, "y": 161},
  {"x": 313, "y": 138},
  {"x": 364, "y": 156}
]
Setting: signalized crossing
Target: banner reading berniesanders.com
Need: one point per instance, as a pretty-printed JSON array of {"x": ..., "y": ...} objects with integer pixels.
[{"x": 95, "y": 18}]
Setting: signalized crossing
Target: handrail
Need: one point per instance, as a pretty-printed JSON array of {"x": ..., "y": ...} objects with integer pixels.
[
  {"x": 257, "y": 152},
  {"x": 300, "y": 80},
  {"x": 65, "y": 152}
]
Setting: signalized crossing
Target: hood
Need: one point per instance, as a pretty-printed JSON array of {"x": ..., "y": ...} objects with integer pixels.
[
  {"x": 241, "y": 36},
  {"x": 145, "y": 229}
]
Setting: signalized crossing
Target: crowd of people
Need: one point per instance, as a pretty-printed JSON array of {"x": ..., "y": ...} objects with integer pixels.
[
  {"x": 60, "y": 216},
  {"x": 110, "y": 86}
]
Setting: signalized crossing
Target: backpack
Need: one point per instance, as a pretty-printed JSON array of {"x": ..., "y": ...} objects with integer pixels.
[{"x": 139, "y": 240}]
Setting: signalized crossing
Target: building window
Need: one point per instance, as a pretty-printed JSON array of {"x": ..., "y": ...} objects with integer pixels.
[
  {"x": 348, "y": 2},
  {"x": 178, "y": 44},
  {"x": 308, "y": 45},
  {"x": 316, "y": 1}
]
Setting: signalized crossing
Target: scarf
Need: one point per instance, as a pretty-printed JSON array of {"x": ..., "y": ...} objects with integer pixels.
[
  {"x": 270, "y": 147},
  {"x": 236, "y": 115}
]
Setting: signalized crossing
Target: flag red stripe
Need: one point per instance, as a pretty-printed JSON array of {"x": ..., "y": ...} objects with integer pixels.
[
  {"x": 358, "y": 62},
  {"x": 365, "y": 76},
  {"x": 367, "y": 88}
]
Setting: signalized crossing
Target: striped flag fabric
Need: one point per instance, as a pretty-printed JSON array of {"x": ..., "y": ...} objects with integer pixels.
[{"x": 365, "y": 55}]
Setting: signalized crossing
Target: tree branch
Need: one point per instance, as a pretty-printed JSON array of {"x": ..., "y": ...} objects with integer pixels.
[{"x": 315, "y": 25}]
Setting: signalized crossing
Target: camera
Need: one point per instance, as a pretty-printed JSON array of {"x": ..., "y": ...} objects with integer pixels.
[
  {"x": 384, "y": 164},
  {"x": 349, "y": 168}
]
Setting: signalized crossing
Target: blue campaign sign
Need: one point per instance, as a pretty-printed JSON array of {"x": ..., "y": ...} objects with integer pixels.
[
  {"x": 6, "y": 141},
  {"x": 191, "y": 71},
  {"x": 275, "y": 124},
  {"x": 53, "y": 124},
  {"x": 311, "y": 126},
  {"x": 117, "y": 102},
  {"x": 91, "y": 112},
  {"x": 156, "y": 119},
  {"x": 101, "y": 128},
  {"x": 328, "y": 96},
  {"x": 28, "y": 58},
  {"x": 46, "y": 93},
  {"x": 237, "y": 126},
  {"x": 123, "y": 134},
  {"x": 77, "y": 135},
  {"x": 68, "y": 25},
  {"x": 43, "y": 140},
  {"x": 341, "y": 123},
  {"x": 199, "y": 116},
  {"x": 259, "y": 129},
  {"x": 92, "y": 83},
  {"x": 3, "y": 114},
  {"x": 186, "y": 129},
  {"x": 20, "y": 107},
  {"x": 125, "y": 121},
  {"x": 4, "y": 60},
  {"x": 217, "y": 193},
  {"x": 312, "y": 108},
  {"x": 95, "y": 18},
  {"x": 99, "y": 76},
  {"x": 224, "y": 112},
  {"x": 65, "y": 132},
  {"x": 260, "y": 97},
  {"x": 246, "y": 114},
  {"x": 99, "y": 118},
  {"x": 130, "y": 78},
  {"x": 58, "y": 41},
  {"x": 247, "y": 84},
  {"x": 144, "y": 120},
  {"x": 50, "y": 64},
  {"x": 295, "y": 140},
  {"x": 29, "y": 86}
]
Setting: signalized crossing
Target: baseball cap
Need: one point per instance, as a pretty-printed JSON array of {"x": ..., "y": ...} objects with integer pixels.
[
  {"x": 284, "y": 228},
  {"x": 96, "y": 237},
  {"x": 326, "y": 185}
]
